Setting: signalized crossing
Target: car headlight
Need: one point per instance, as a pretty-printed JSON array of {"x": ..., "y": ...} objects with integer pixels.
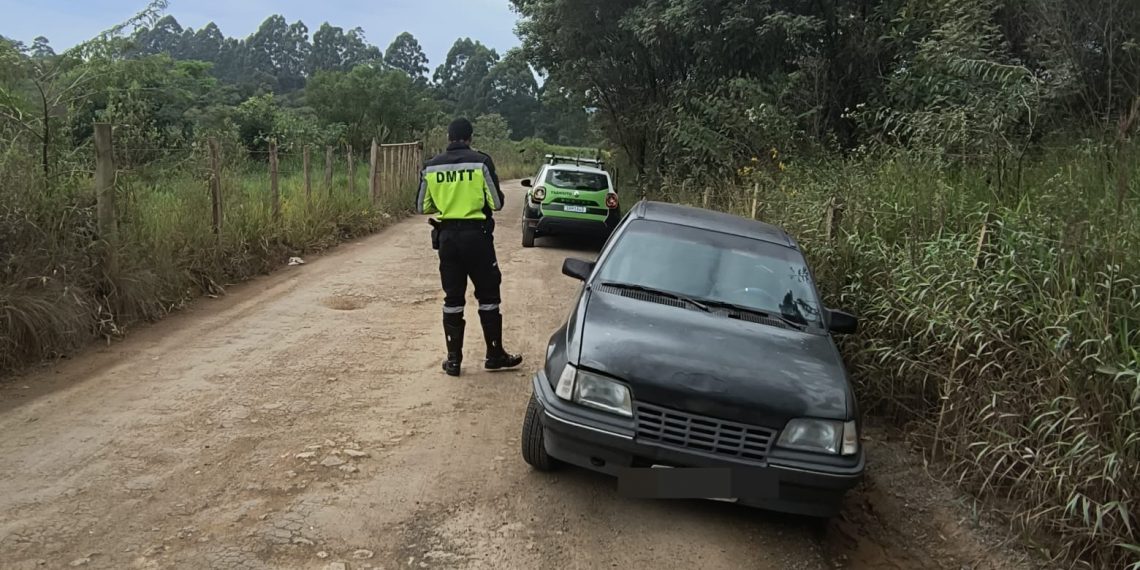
[
  {"x": 595, "y": 391},
  {"x": 821, "y": 436}
]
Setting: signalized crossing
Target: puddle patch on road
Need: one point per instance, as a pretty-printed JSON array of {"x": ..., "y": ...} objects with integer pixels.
[{"x": 345, "y": 303}]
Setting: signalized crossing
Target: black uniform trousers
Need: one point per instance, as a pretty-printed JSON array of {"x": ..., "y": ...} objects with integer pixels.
[{"x": 467, "y": 251}]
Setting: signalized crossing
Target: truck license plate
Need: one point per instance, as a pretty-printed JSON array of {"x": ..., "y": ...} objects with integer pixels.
[{"x": 576, "y": 209}]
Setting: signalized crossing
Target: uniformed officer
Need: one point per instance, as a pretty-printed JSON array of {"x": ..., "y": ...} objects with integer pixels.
[{"x": 460, "y": 185}]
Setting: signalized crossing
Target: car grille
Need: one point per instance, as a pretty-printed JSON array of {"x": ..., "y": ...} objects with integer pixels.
[{"x": 703, "y": 434}]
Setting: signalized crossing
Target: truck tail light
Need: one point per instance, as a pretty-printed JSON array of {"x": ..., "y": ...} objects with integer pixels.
[
  {"x": 538, "y": 195},
  {"x": 612, "y": 201}
]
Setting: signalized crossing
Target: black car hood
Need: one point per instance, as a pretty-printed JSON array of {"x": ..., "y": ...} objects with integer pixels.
[{"x": 713, "y": 365}]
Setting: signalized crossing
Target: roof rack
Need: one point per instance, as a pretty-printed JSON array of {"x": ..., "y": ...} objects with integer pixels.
[{"x": 575, "y": 160}]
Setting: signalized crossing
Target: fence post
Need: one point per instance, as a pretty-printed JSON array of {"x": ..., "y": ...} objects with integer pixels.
[
  {"x": 402, "y": 167},
  {"x": 387, "y": 171},
  {"x": 374, "y": 172},
  {"x": 274, "y": 189},
  {"x": 351, "y": 168},
  {"x": 394, "y": 174},
  {"x": 328, "y": 169},
  {"x": 308, "y": 176},
  {"x": 418, "y": 163},
  {"x": 105, "y": 194},
  {"x": 410, "y": 164},
  {"x": 833, "y": 219},
  {"x": 755, "y": 198},
  {"x": 985, "y": 238},
  {"x": 408, "y": 167},
  {"x": 216, "y": 186}
]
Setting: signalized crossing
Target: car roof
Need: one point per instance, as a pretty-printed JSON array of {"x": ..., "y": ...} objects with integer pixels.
[
  {"x": 701, "y": 218},
  {"x": 575, "y": 168}
]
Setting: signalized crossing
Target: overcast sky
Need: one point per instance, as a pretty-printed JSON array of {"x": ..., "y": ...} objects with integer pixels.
[{"x": 435, "y": 23}]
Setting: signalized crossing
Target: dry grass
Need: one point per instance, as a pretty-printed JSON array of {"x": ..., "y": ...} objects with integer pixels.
[
  {"x": 1021, "y": 379},
  {"x": 56, "y": 294}
]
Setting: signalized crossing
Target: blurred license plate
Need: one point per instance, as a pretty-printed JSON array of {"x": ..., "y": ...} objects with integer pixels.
[
  {"x": 576, "y": 209},
  {"x": 725, "y": 500}
]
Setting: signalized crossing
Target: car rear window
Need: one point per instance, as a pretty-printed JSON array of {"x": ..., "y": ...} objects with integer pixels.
[
  {"x": 572, "y": 180},
  {"x": 714, "y": 266}
]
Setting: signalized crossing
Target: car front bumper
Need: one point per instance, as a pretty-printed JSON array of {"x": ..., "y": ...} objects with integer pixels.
[{"x": 608, "y": 444}]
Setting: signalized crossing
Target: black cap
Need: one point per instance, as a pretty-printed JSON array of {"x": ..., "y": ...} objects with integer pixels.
[{"x": 460, "y": 130}]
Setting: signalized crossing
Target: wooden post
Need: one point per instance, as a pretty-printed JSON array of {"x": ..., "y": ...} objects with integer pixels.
[
  {"x": 216, "y": 186},
  {"x": 418, "y": 164},
  {"x": 374, "y": 172},
  {"x": 105, "y": 212},
  {"x": 408, "y": 175},
  {"x": 394, "y": 175},
  {"x": 404, "y": 178},
  {"x": 274, "y": 189},
  {"x": 705, "y": 200},
  {"x": 386, "y": 186},
  {"x": 410, "y": 164},
  {"x": 328, "y": 169},
  {"x": 832, "y": 219},
  {"x": 351, "y": 168},
  {"x": 308, "y": 176},
  {"x": 985, "y": 238},
  {"x": 755, "y": 198}
]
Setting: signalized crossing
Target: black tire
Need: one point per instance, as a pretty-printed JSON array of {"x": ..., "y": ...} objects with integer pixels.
[
  {"x": 528, "y": 235},
  {"x": 533, "y": 444}
]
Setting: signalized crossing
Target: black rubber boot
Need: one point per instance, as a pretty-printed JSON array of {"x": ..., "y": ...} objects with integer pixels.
[
  {"x": 453, "y": 325},
  {"x": 497, "y": 358}
]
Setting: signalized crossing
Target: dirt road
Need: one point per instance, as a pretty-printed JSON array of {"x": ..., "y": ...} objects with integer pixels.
[
  {"x": 303, "y": 422},
  {"x": 231, "y": 436}
]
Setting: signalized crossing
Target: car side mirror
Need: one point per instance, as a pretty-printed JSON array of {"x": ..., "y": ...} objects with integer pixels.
[
  {"x": 526, "y": 183},
  {"x": 577, "y": 268},
  {"x": 842, "y": 323}
]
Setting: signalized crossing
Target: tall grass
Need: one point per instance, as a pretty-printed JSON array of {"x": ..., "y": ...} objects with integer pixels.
[
  {"x": 1021, "y": 378},
  {"x": 56, "y": 294}
]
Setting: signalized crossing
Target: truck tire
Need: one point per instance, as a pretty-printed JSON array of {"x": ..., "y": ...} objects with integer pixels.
[{"x": 533, "y": 445}]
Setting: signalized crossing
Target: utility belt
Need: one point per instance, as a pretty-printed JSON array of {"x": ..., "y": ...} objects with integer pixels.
[{"x": 439, "y": 226}]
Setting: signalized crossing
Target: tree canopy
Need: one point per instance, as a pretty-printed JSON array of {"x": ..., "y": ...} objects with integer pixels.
[
  {"x": 283, "y": 59},
  {"x": 675, "y": 76}
]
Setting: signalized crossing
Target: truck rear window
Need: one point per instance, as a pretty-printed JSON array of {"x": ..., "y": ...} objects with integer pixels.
[{"x": 577, "y": 180}]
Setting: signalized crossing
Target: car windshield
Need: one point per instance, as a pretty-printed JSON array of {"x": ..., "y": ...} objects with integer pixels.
[
  {"x": 714, "y": 267},
  {"x": 572, "y": 180}
]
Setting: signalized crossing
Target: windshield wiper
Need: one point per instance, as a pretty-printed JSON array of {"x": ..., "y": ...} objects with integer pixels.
[
  {"x": 671, "y": 295},
  {"x": 772, "y": 315}
]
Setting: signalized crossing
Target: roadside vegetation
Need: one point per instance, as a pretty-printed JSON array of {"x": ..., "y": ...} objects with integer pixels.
[
  {"x": 963, "y": 174},
  {"x": 167, "y": 91}
]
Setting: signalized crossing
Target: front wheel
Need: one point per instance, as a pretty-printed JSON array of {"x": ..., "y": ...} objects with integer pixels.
[
  {"x": 527, "y": 235},
  {"x": 533, "y": 442}
]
